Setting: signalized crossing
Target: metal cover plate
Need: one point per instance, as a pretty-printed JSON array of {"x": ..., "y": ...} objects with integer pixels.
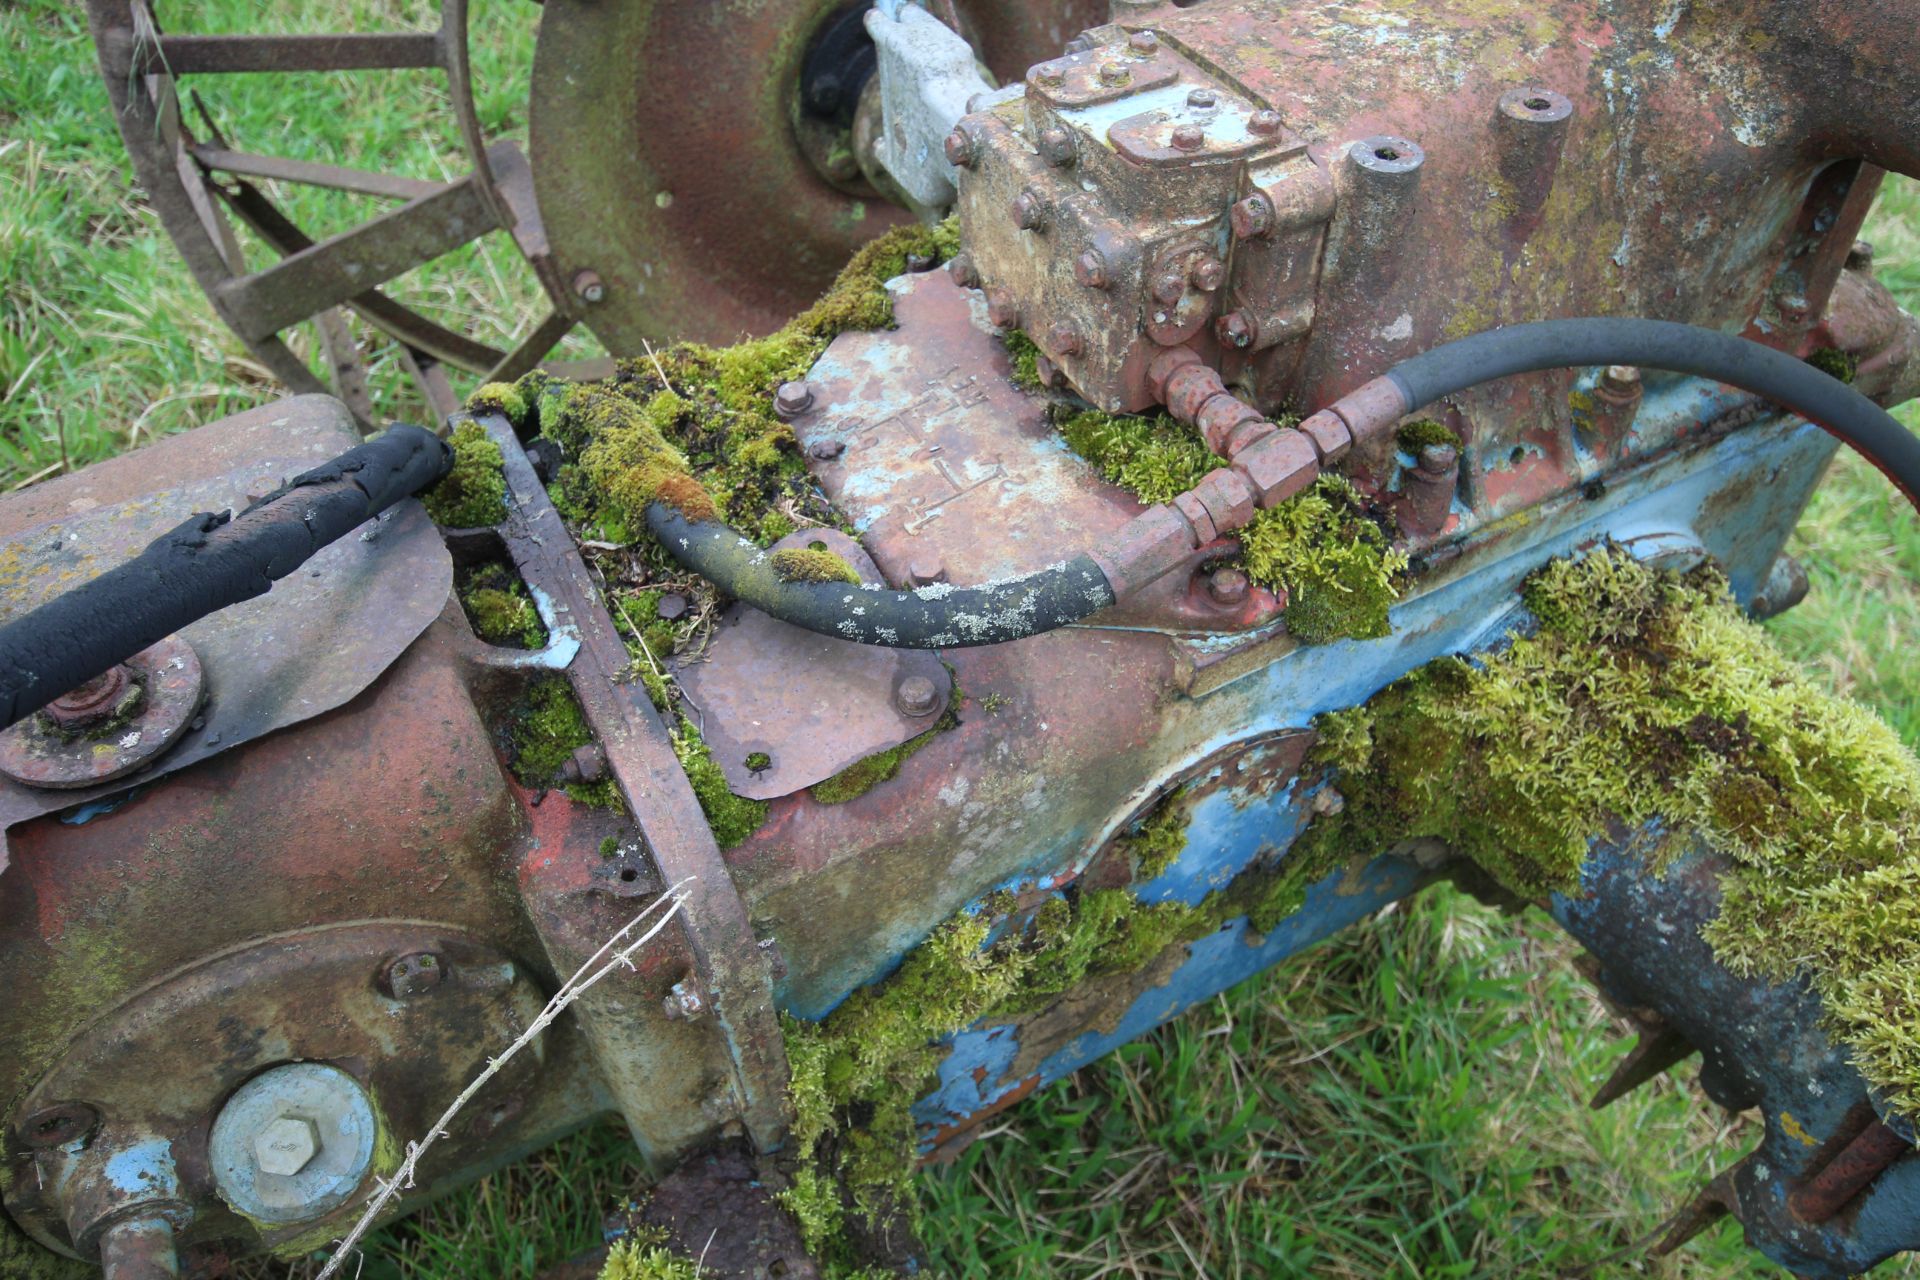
[
  {"x": 317, "y": 639},
  {"x": 811, "y": 703}
]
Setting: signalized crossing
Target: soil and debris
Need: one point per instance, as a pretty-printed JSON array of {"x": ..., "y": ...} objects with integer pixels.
[{"x": 545, "y": 732}]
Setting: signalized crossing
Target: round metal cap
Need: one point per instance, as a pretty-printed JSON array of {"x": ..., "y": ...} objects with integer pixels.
[{"x": 293, "y": 1144}]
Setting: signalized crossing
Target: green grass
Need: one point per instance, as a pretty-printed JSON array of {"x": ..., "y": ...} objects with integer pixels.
[{"x": 1406, "y": 1101}]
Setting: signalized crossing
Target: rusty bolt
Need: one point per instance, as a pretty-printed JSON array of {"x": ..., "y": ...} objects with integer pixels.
[
  {"x": 916, "y": 696},
  {"x": 1860, "y": 257},
  {"x": 414, "y": 975},
  {"x": 1002, "y": 311},
  {"x": 59, "y": 1126},
  {"x": 1056, "y": 145},
  {"x": 672, "y": 607},
  {"x": 1330, "y": 435},
  {"x": 1050, "y": 74},
  {"x": 1208, "y": 273},
  {"x": 1202, "y": 98},
  {"x": 1235, "y": 330},
  {"x": 1439, "y": 459},
  {"x": 960, "y": 149},
  {"x": 1144, "y": 43},
  {"x": 1263, "y": 123},
  {"x": 99, "y": 699},
  {"x": 961, "y": 271},
  {"x": 827, "y": 450},
  {"x": 1227, "y": 587},
  {"x": 589, "y": 286},
  {"x": 1114, "y": 73},
  {"x": 1081, "y": 43},
  {"x": 1029, "y": 211},
  {"x": 1278, "y": 466},
  {"x": 1794, "y": 308},
  {"x": 1090, "y": 269},
  {"x": 1620, "y": 380},
  {"x": 684, "y": 1001},
  {"x": 588, "y": 763},
  {"x": 1046, "y": 370},
  {"x": 1189, "y": 137},
  {"x": 285, "y": 1145},
  {"x": 1062, "y": 340},
  {"x": 926, "y": 568},
  {"x": 1169, "y": 287},
  {"x": 1252, "y": 217},
  {"x": 792, "y": 399}
]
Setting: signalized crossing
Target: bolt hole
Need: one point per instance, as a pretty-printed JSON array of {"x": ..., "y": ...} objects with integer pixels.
[
  {"x": 1386, "y": 153},
  {"x": 628, "y": 875},
  {"x": 817, "y": 545},
  {"x": 1538, "y": 104},
  {"x": 1514, "y": 458},
  {"x": 777, "y": 1268}
]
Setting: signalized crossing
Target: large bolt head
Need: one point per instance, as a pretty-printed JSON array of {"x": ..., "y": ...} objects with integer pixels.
[
  {"x": 286, "y": 1145},
  {"x": 1090, "y": 269},
  {"x": 1029, "y": 211},
  {"x": 1235, "y": 330},
  {"x": 1189, "y": 137},
  {"x": 1002, "y": 311},
  {"x": 1056, "y": 146},
  {"x": 917, "y": 696},
  {"x": 1252, "y": 217},
  {"x": 792, "y": 399},
  {"x": 959, "y": 148}
]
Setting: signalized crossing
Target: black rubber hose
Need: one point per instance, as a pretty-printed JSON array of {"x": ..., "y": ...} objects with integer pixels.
[
  {"x": 204, "y": 565},
  {"x": 933, "y": 617},
  {"x": 1680, "y": 348}
]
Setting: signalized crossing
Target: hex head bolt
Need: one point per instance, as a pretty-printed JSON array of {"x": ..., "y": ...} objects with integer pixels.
[
  {"x": 1030, "y": 211},
  {"x": 412, "y": 976},
  {"x": 792, "y": 399},
  {"x": 294, "y": 1143},
  {"x": 589, "y": 287},
  {"x": 1189, "y": 137},
  {"x": 1090, "y": 270},
  {"x": 1228, "y": 587},
  {"x": 1429, "y": 488},
  {"x": 960, "y": 270},
  {"x": 1002, "y": 311},
  {"x": 285, "y": 1145},
  {"x": 1056, "y": 146},
  {"x": 1252, "y": 217},
  {"x": 916, "y": 696},
  {"x": 95, "y": 702}
]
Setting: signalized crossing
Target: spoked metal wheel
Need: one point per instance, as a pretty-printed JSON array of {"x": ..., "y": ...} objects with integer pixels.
[{"x": 671, "y": 149}]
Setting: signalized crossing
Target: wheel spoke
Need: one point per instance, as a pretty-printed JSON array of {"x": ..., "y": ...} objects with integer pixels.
[
  {"x": 310, "y": 174},
  {"x": 544, "y": 337}
]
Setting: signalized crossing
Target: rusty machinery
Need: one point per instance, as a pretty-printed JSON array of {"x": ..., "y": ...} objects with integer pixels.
[{"x": 296, "y": 901}]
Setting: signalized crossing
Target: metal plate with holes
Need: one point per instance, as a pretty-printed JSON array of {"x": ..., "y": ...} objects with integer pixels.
[
  {"x": 361, "y": 601},
  {"x": 811, "y": 704}
]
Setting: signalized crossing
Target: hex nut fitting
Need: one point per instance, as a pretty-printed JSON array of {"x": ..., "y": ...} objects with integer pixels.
[
  {"x": 1002, "y": 311},
  {"x": 1278, "y": 466},
  {"x": 792, "y": 399},
  {"x": 285, "y": 1145},
  {"x": 961, "y": 271},
  {"x": 1189, "y": 137},
  {"x": 1030, "y": 211},
  {"x": 1235, "y": 330},
  {"x": 1056, "y": 146},
  {"x": 1228, "y": 587},
  {"x": 1329, "y": 434},
  {"x": 1252, "y": 217},
  {"x": 293, "y": 1144},
  {"x": 960, "y": 149},
  {"x": 917, "y": 696}
]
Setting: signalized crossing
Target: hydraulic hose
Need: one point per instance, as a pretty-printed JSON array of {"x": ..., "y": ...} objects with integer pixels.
[
  {"x": 932, "y": 617},
  {"x": 204, "y": 565},
  {"x": 1679, "y": 348}
]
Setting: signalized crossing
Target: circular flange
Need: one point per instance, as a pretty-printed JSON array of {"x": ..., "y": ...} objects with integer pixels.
[
  {"x": 294, "y": 1143},
  {"x": 170, "y": 682}
]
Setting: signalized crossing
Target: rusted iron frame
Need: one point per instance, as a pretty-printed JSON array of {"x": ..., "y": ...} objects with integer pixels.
[
  {"x": 642, "y": 762},
  {"x": 387, "y": 186},
  {"x": 1849, "y": 1172}
]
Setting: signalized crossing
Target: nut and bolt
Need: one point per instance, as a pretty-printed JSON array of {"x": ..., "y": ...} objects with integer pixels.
[
  {"x": 961, "y": 271},
  {"x": 684, "y": 1001},
  {"x": 1046, "y": 370},
  {"x": 672, "y": 607},
  {"x": 1143, "y": 43},
  {"x": 1794, "y": 308},
  {"x": 1063, "y": 340},
  {"x": 414, "y": 975},
  {"x": 1235, "y": 330},
  {"x": 926, "y": 568},
  {"x": 588, "y": 286},
  {"x": 960, "y": 149},
  {"x": 1263, "y": 123},
  {"x": 1029, "y": 211},
  {"x": 1202, "y": 98},
  {"x": 1050, "y": 74},
  {"x": 1620, "y": 380},
  {"x": 1189, "y": 137},
  {"x": 1002, "y": 311},
  {"x": 1227, "y": 587},
  {"x": 588, "y": 763},
  {"x": 1860, "y": 257},
  {"x": 97, "y": 700},
  {"x": 1081, "y": 43},
  {"x": 285, "y": 1145},
  {"x": 792, "y": 399},
  {"x": 916, "y": 696},
  {"x": 58, "y": 1126},
  {"x": 1252, "y": 217},
  {"x": 1169, "y": 287},
  {"x": 1114, "y": 73},
  {"x": 1090, "y": 269},
  {"x": 1208, "y": 273},
  {"x": 826, "y": 450},
  {"x": 1056, "y": 145}
]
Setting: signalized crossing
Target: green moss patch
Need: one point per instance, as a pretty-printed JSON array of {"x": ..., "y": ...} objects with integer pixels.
[
  {"x": 864, "y": 775},
  {"x": 1417, "y": 435},
  {"x": 646, "y": 1257},
  {"x": 1835, "y": 363},
  {"x": 473, "y": 494},
  {"x": 733, "y": 818},
  {"x": 1026, "y": 359},
  {"x": 1644, "y": 695},
  {"x": 809, "y": 564},
  {"x": 498, "y": 607},
  {"x": 548, "y": 729},
  {"x": 1324, "y": 548}
]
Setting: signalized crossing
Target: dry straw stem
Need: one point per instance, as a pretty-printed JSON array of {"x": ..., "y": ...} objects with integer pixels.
[{"x": 598, "y": 966}]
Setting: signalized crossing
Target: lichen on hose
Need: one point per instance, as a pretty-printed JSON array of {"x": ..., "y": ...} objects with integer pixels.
[{"x": 1647, "y": 695}]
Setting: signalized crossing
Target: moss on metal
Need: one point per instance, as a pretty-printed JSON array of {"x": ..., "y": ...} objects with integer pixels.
[
  {"x": 23, "y": 1259},
  {"x": 1643, "y": 695},
  {"x": 864, "y": 775},
  {"x": 498, "y": 607},
  {"x": 474, "y": 493},
  {"x": 547, "y": 730},
  {"x": 1422, "y": 432},
  {"x": 733, "y": 818},
  {"x": 1324, "y": 548},
  {"x": 812, "y": 564},
  {"x": 1835, "y": 363}
]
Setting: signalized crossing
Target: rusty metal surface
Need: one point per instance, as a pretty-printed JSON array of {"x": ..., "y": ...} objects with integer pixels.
[
  {"x": 952, "y": 473},
  {"x": 719, "y": 1207},
  {"x": 811, "y": 704},
  {"x": 360, "y": 601},
  {"x": 165, "y": 684},
  {"x": 727, "y": 962},
  {"x": 1849, "y": 1172},
  {"x": 664, "y": 156}
]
